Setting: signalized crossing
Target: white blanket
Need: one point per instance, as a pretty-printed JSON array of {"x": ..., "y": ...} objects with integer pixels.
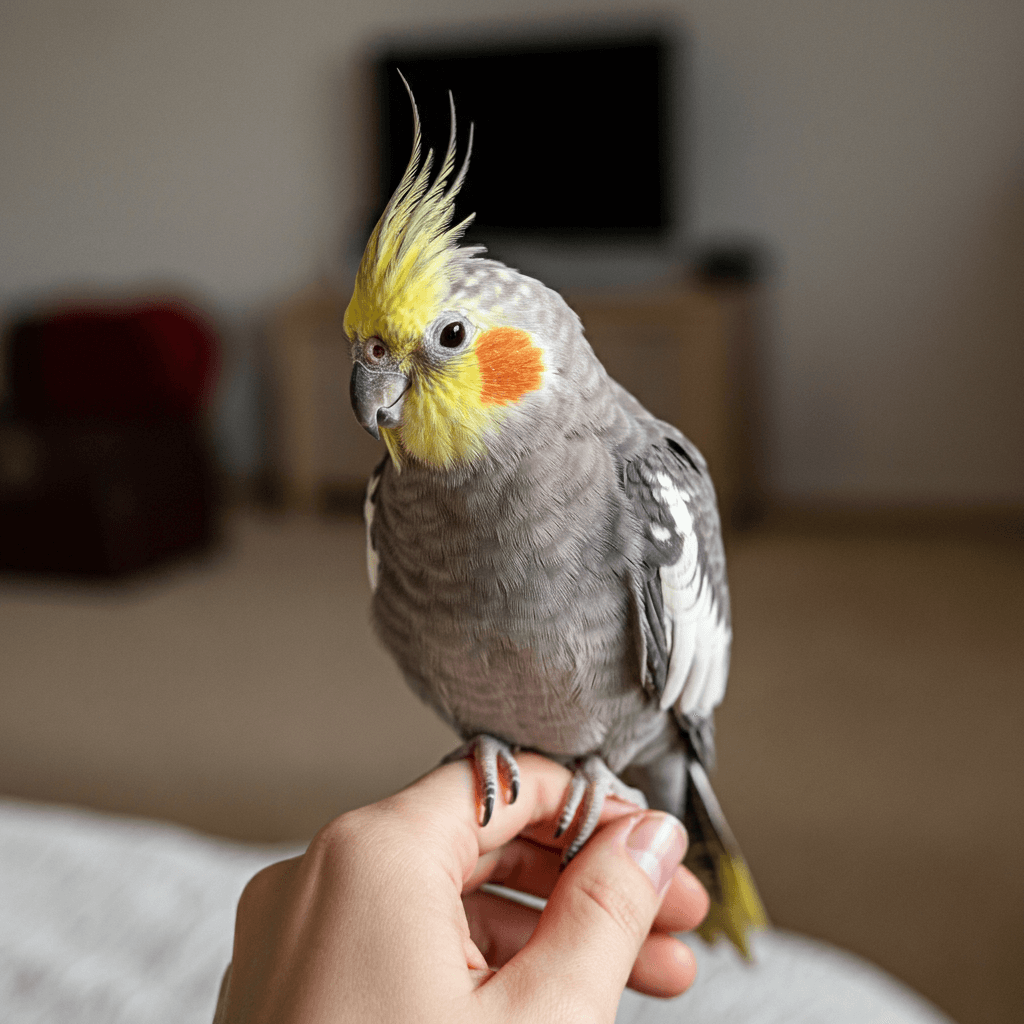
[{"x": 106, "y": 920}]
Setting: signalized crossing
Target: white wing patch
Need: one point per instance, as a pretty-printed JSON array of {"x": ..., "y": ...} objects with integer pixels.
[
  {"x": 698, "y": 638},
  {"x": 372, "y": 558}
]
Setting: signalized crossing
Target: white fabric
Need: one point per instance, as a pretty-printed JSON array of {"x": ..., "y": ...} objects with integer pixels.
[
  {"x": 106, "y": 920},
  {"x": 793, "y": 980}
]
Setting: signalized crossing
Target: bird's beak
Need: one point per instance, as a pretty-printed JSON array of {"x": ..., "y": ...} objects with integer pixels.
[{"x": 377, "y": 396}]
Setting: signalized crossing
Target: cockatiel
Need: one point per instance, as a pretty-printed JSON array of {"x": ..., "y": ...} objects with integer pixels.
[{"x": 545, "y": 556}]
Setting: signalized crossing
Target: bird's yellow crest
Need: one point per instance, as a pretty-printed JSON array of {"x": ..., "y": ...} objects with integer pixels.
[
  {"x": 410, "y": 263},
  {"x": 403, "y": 275}
]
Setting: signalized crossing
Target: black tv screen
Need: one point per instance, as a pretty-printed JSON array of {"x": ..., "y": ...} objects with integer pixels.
[{"x": 571, "y": 136}]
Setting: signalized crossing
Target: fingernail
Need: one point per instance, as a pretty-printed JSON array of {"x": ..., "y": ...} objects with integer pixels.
[{"x": 657, "y": 843}]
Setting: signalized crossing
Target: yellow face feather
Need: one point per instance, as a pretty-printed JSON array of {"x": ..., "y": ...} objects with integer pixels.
[
  {"x": 443, "y": 420},
  {"x": 448, "y": 414},
  {"x": 410, "y": 263}
]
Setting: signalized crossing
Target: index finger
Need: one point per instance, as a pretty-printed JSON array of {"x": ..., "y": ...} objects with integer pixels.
[{"x": 440, "y": 809}]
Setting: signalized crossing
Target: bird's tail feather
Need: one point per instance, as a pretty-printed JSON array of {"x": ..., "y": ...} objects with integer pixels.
[{"x": 714, "y": 857}]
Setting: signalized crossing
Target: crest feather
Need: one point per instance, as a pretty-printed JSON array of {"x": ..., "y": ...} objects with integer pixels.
[{"x": 402, "y": 277}]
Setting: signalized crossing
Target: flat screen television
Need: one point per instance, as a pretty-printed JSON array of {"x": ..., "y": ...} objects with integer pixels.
[{"x": 573, "y": 135}]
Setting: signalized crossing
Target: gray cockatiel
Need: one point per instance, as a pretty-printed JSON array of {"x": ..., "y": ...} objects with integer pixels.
[{"x": 546, "y": 556}]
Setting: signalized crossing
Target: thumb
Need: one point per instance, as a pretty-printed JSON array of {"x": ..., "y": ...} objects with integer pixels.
[{"x": 588, "y": 937}]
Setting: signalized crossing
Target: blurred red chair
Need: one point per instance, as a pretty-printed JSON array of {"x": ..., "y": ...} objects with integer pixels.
[{"x": 105, "y": 462}]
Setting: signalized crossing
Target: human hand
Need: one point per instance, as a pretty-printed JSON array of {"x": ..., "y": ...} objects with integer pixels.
[{"x": 381, "y": 919}]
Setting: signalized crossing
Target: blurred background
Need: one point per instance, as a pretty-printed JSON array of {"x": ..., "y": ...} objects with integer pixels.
[{"x": 827, "y": 296}]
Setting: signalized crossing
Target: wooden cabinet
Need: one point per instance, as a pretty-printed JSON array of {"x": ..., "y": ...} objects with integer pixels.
[
  {"x": 317, "y": 445},
  {"x": 688, "y": 355}
]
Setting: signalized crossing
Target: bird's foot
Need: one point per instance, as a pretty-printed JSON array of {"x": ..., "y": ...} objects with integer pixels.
[
  {"x": 489, "y": 756},
  {"x": 592, "y": 783}
]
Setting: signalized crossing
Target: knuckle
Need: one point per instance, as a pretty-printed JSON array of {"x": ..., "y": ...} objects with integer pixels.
[
  {"x": 617, "y": 905},
  {"x": 359, "y": 846},
  {"x": 363, "y": 827},
  {"x": 336, "y": 850},
  {"x": 259, "y": 890},
  {"x": 340, "y": 833}
]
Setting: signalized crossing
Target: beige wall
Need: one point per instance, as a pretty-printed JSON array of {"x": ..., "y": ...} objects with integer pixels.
[{"x": 878, "y": 147}]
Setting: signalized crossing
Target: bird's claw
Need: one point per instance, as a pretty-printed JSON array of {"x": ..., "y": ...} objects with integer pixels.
[
  {"x": 488, "y": 756},
  {"x": 591, "y": 784}
]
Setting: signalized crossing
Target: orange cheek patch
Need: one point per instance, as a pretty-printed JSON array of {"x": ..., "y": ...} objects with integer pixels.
[{"x": 510, "y": 365}]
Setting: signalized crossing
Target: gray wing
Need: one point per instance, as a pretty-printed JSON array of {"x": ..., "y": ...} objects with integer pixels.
[{"x": 685, "y": 616}]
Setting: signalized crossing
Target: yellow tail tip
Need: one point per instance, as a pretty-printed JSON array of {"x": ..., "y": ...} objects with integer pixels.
[{"x": 741, "y": 910}]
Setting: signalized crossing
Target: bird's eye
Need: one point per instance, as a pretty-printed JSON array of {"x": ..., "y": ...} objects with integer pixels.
[{"x": 453, "y": 334}]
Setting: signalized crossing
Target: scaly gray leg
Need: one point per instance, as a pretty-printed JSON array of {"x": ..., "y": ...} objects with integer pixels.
[
  {"x": 485, "y": 752},
  {"x": 592, "y": 782}
]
